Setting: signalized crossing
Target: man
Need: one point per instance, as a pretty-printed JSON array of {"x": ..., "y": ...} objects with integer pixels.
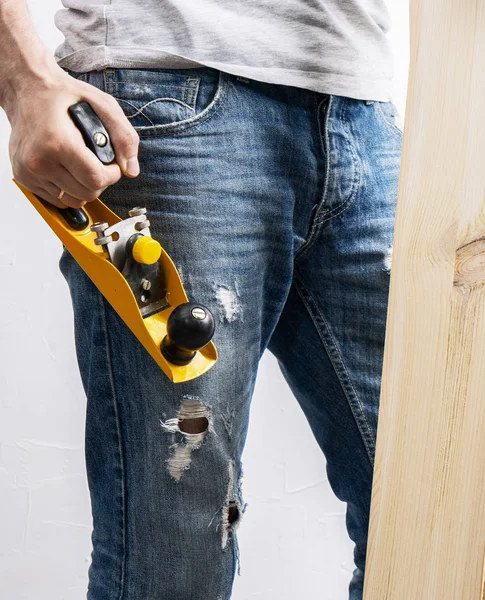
[{"x": 269, "y": 163}]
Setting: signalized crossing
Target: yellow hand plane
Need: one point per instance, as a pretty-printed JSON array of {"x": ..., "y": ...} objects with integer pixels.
[{"x": 132, "y": 270}]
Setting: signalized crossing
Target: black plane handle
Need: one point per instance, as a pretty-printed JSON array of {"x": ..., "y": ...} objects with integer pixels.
[{"x": 96, "y": 139}]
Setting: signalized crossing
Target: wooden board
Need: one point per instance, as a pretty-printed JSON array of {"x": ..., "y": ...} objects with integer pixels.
[{"x": 427, "y": 528}]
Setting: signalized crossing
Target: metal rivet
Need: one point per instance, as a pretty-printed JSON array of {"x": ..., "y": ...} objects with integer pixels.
[
  {"x": 137, "y": 211},
  {"x": 102, "y": 240},
  {"x": 99, "y": 226},
  {"x": 199, "y": 313},
  {"x": 142, "y": 225},
  {"x": 100, "y": 139}
]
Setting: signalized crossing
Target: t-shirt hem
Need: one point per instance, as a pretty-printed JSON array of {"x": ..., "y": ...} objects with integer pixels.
[{"x": 101, "y": 57}]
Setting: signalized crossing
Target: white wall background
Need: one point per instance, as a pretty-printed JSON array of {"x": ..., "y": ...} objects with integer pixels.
[{"x": 293, "y": 540}]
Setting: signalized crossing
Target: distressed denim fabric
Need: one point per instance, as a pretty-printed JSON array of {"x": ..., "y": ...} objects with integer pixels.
[{"x": 277, "y": 205}]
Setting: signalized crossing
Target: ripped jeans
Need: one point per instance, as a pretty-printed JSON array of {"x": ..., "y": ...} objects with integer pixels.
[{"x": 277, "y": 206}]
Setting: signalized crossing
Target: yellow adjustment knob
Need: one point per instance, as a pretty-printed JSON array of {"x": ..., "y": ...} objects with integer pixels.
[{"x": 146, "y": 250}]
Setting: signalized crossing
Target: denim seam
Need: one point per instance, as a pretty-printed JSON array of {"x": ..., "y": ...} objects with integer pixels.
[
  {"x": 338, "y": 364},
  {"x": 109, "y": 80},
  {"x": 120, "y": 448},
  {"x": 180, "y": 127},
  {"x": 323, "y": 213},
  {"x": 356, "y": 175},
  {"x": 324, "y": 147},
  {"x": 106, "y": 81},
  {"x": 191, "y": 91}
]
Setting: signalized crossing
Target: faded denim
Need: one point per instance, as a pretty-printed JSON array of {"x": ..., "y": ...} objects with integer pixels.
[{"x": 277, "y": 205}]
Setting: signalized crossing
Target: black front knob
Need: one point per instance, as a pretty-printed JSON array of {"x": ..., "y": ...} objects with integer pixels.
[{"x": 190, "y": 327}]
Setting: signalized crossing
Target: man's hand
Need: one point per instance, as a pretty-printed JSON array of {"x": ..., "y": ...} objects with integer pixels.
[{"x": 47, "y": 150}]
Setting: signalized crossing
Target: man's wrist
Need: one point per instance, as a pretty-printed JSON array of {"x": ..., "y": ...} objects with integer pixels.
[
  {"x": 22, "y": 53},
  {"x": 26, "y": 72}
]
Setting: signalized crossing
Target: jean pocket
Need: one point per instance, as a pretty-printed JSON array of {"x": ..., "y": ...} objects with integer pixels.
[
  {"x": 389, "y": 114},
  {"x": 161, "y": 101}
]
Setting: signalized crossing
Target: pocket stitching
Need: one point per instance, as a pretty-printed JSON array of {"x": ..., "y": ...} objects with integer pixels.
[
  {"x": 152, "y": 85},
  {"x": 190, "y": 88},
  {"x": 136, "y": 111},
  {"x": 139, "y": 111},
  {"x": 179, "y": 127}
]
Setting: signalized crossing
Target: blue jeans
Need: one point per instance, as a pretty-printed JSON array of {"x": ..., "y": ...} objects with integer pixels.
[{"x": 277, "y": 205}]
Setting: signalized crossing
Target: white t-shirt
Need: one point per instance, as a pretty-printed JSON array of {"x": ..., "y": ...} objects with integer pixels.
[{"x": 329, "y": 46}]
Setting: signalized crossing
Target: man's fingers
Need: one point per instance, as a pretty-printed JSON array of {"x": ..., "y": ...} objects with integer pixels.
[
  {"x": 63, "y": 180},
  {"x": 123, "y": 136},
  {"x": 87, "y": 169},
  {"x": 47, "y": 192},
  {"x": 69, "y": 201}
]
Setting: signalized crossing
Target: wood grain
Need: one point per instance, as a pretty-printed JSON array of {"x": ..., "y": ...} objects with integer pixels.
[{"x": 427, "y": 527}]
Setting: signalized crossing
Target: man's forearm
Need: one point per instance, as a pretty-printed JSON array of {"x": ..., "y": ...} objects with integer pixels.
[{"x": 23, "y": 55}]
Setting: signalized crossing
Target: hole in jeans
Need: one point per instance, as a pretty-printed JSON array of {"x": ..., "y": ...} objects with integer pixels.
[
  {"x": 196, "y": 425},
  {"x": 232, "y": 513}
]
